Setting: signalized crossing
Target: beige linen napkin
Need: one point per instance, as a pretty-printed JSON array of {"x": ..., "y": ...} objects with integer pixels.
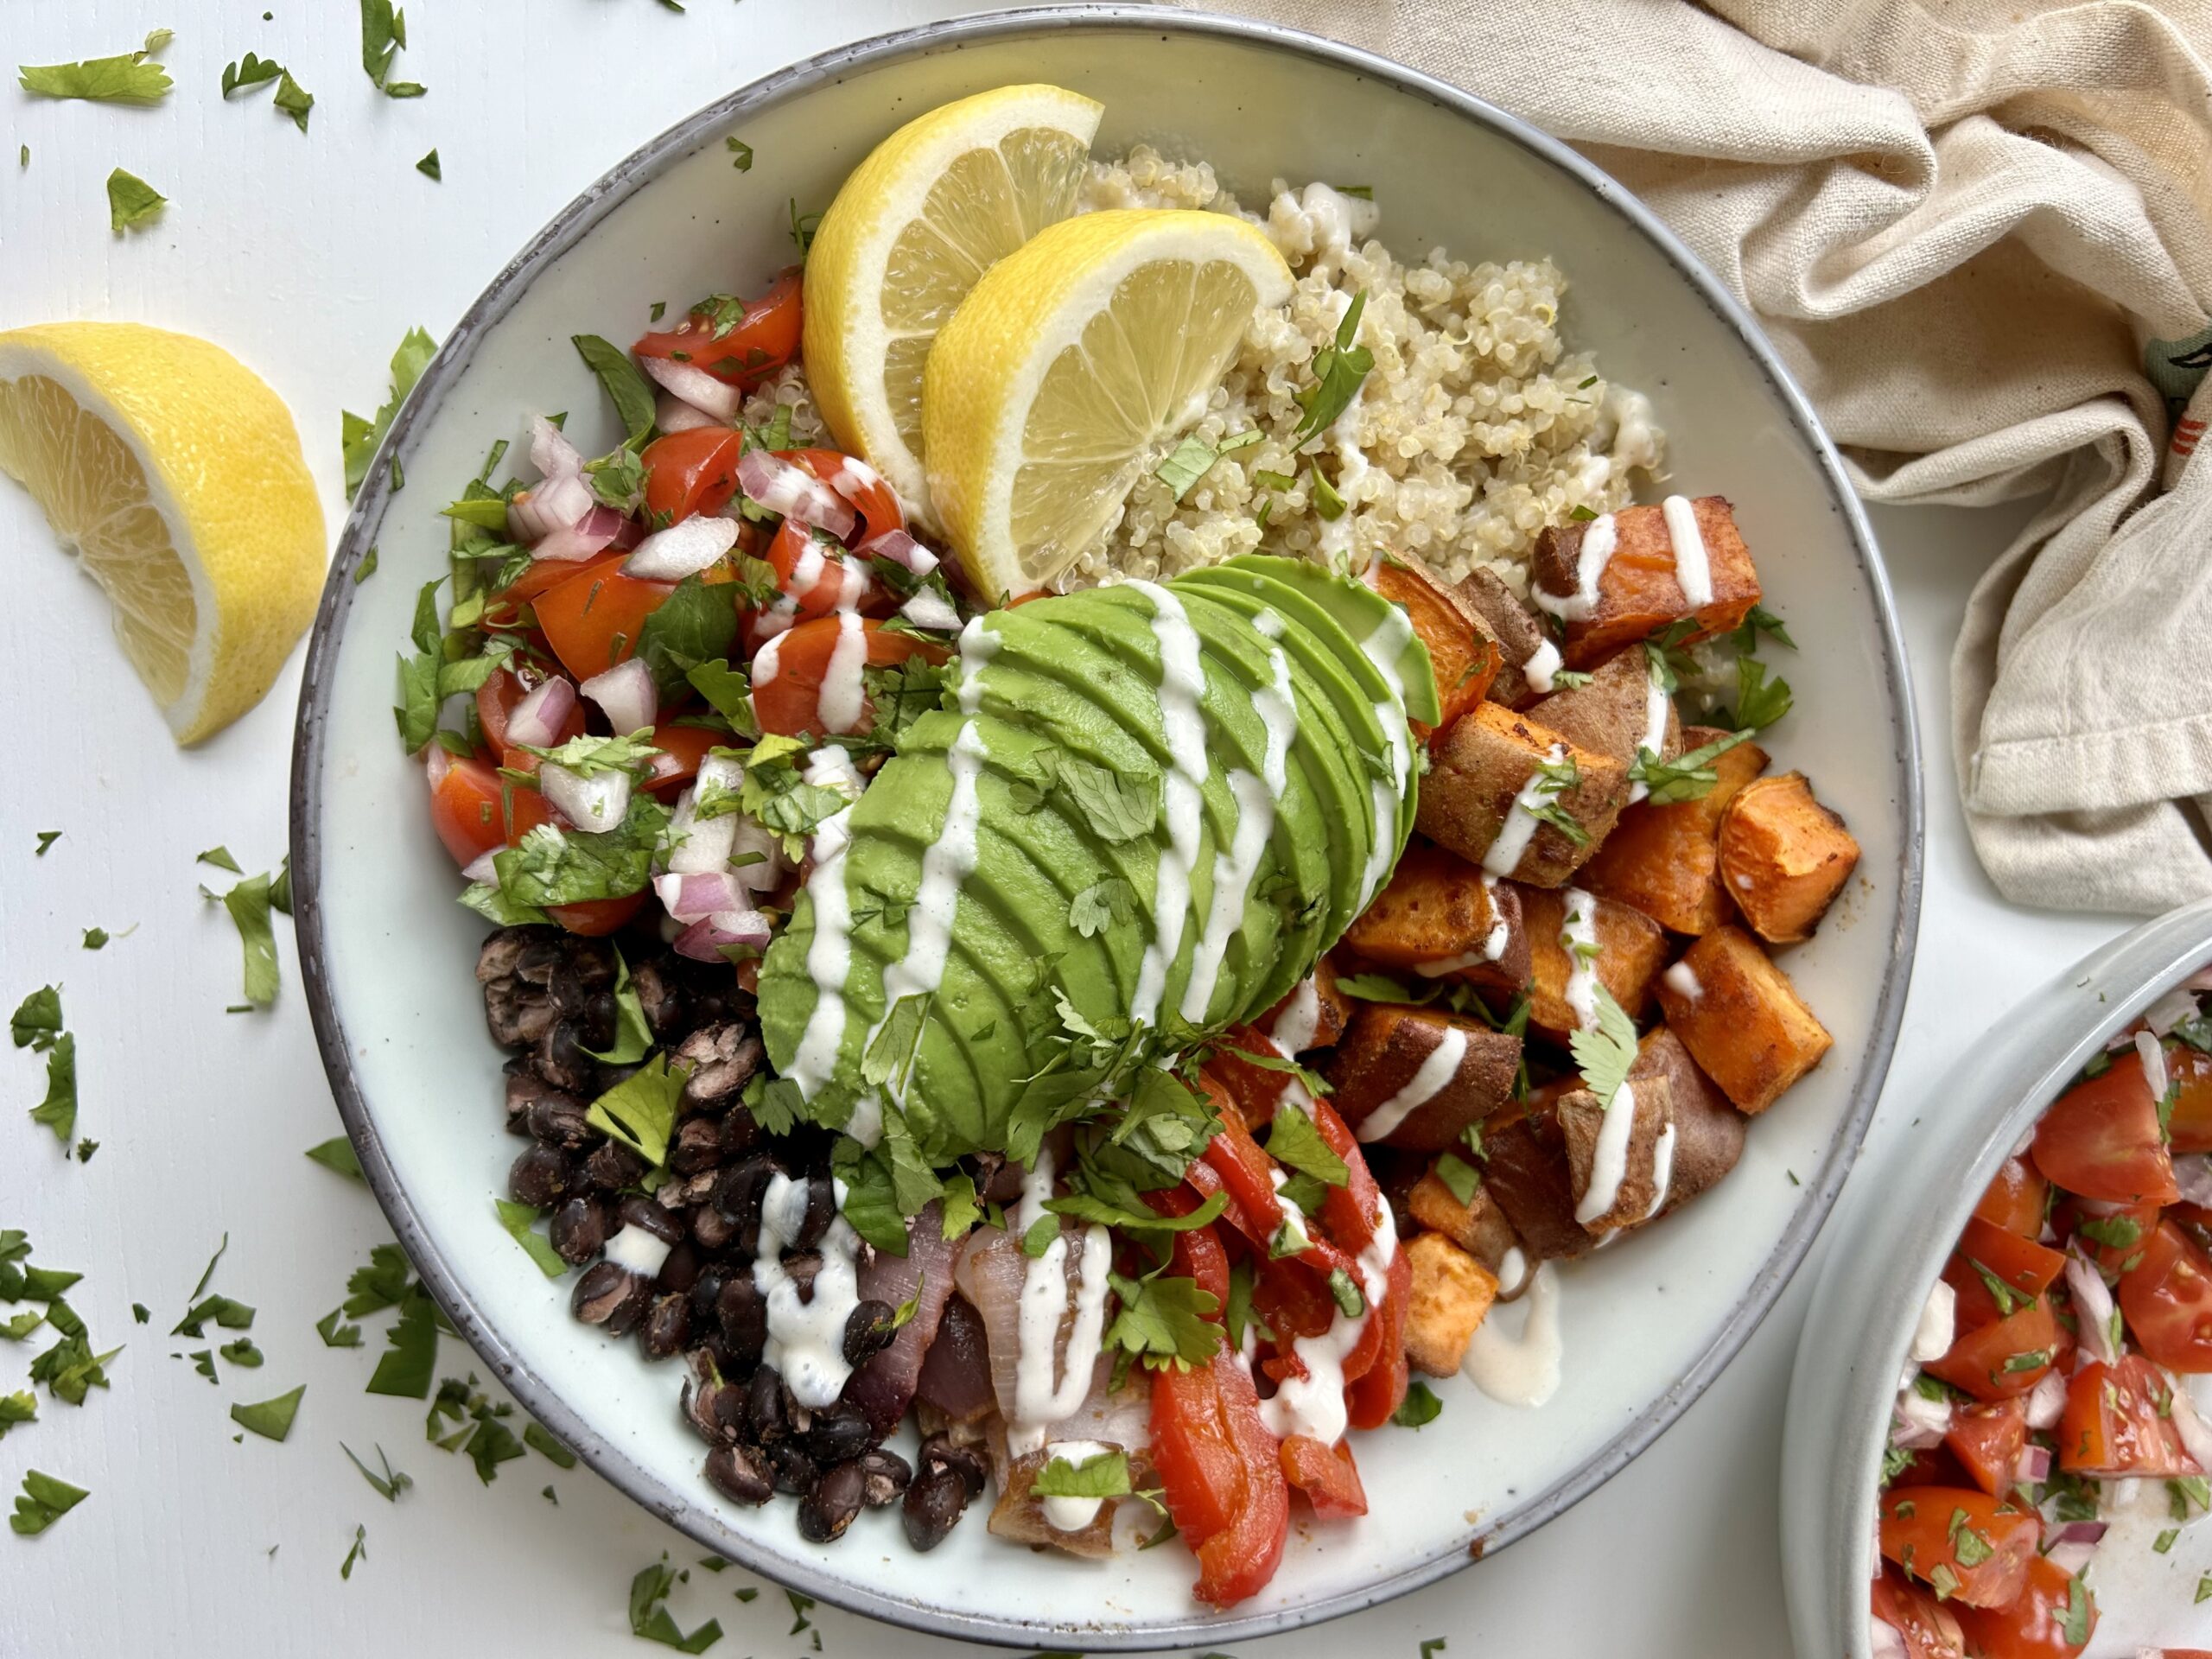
[{"x": 1980, "y": 233}]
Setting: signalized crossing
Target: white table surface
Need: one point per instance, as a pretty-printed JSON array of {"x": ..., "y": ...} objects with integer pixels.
[{"x": 309, "y": 255}]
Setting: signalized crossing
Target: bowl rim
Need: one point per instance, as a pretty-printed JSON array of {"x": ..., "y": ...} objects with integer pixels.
[
  {"x": 2064, "y": 1029},
  {"x": 1185, "y": 1626}
]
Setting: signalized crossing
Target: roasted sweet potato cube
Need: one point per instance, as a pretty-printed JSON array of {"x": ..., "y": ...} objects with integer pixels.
[
  {"x": 1740, "y": 1018},
  {"x": 1520, "y": 635},
  {"x": 1616, "y": 1184},
  {"x": 1663, "y": 858},
  {"x": 1417, "y": 1078},
  {"x": 1313, "y": 1014},
  {"x": 1439, "y": 915},
  {"x": 1477, "y": 1226},
  {"x": 1708, "y": 1131},
  {"x": 1524, "y": 1169},
  {"x": 1452, "y": 1293},
  {"x": 1461, "y": 649},
  {"x": 1639, "y": 587},
  {"x": 1490, "y": 768},
  {"x": 1631, "y": 950},
  {"x": 1784, "y": 857},
  {"x": 1618, "y": 710}
]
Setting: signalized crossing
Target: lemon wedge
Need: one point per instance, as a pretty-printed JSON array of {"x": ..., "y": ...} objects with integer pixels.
[
  {"x": 932, "y": 208},
  {"x": 175, "y": 474},
  {"x": 1065, "y": 371}
]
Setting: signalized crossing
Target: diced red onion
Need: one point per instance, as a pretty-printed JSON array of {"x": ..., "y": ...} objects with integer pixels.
[
  {"x": 1919, "y": 1422},
  {"x": 601, "y": 528},
  {"x": 2169, "y": 1010},
  {"x": 550, "y": 452},
  {"x": 2189, "y": 1423},
  {"x": 691, "y": 898},
  {"x": 481, "y": 867},
  {"x": 536, "y": 721},
  {"x": 781, "y": 487},
  {"x": 2047, "y": 1401},
  {"x": 553, "y": 504},
  {"x": 2199, "y": 980},
  {"x": 672, "y": 414},
  {"x": 593, "y": 803},
  {"x": 2070, "y": 1558},
  {"x": 2092, "y": 1307},
  {"x": 683, "y": 549},
  {"x": 626, "y": 694},
  {"x": 705, "y": 941},
  {"x": 899, "y": 548},
  {"x": 435, "y": 764},
  {"x": 1887, "y": 1642},
  {"x": 716, "y": 398}
]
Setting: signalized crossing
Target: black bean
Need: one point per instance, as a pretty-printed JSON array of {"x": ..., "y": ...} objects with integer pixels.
[
  {"x": 738, "y": 1196},
  {"x": 559, "y": 1121},
  {"x": 764, "y": 1406},
  {"x": 561, "y": 1060},
  {"x": 706, "y": 1288},
  {"x": 518, "y": 1015},
  {"x": 740, "y": 1133},
  {"x": 740, "y": 1474},
  {"x": 667, "y": 1326},
  {"x": 932, "y": 1507},
  {"x": 886, "y": 1475},
  {"x": 643, "y": 1212},
  {"x": 868, "y": 1331},
  {"x": 839, "y": 1433},
  {"x": 721, "y": 1060},
  {"x": 712, "y": 1229},
  {"x": 680, "y": 1271},
  {"x": 598, "y": 1020},
  {"x": 541, "y": 957},
  {"x": 742, "y": 1313},
  {"x": 825, "y": 1512},
  {"x": 821, "y": 1211},
  {"x": 612, "y": 1166},
  {"x": 702, "y": 1392},
  {"x": 609, "y": 1294},
  {"x": 580, "y": 1228},
  {"x": 501, "y": 955},
  {"x": 796, "y": 1472},
  {"x": 541, "y": 1177},
  {"x": 939, "y": 1453},
  {"x": 801, "y": 1270},
  {"x": 697, "y": 1146}
]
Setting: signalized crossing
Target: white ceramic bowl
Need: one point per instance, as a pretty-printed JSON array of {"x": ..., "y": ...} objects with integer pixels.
[
  {"x": 1889, "y": 1241},
  {"x": 388, "y": 954}
]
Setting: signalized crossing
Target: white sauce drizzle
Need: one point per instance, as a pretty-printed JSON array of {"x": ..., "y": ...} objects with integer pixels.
[
  {"x": 844, "y": 693},
  {"x": 1662, "y": 1171},
  {"x": 1296, "y": 1027},
  {"x": 1437, "y": 1067},
  {"x": 1656, "y": 710},
  {"x": 1512, "y": 1269},
  {"x": 1600, "y": 537},
  {"x": 1577, "y": 936},
  {"x": 866, "y": 1124},
  {"x": 1182, "y": 683},
  {"x": 829, "y": 956},
  {"x": 806, "y": 570},
  {"x": 806, "y": 1338},
  {"x": 1520, "y": 1370},
  {"x": 1693, "y": 567},
  {"x": 767, "y": 662},
  {"x": 1234, "y": 870},
  {"x": 1609, "y": 1159},
  {"x": 1386, "y": 647},
  {"x": 1520, "y": 826},
  {"x": 1072, "y": 1514},
  {"x": 638, "y": 1250},
  {"x": 1040, "y": 1401},
  {"x": 1542, "y": 664},
  {"x": 1314, "y": 1404},
  {"x": 1681, "y": 980}
]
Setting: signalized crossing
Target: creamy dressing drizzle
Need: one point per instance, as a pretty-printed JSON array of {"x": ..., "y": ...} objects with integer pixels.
[
  {"x": 1656, "y": 710},
  {"x": 1577, "y": 936},
  {"x": 1520, "y": 826},
  {"x": 806, "y": 1338},
  {"x": 767, "y": 662},
  {"x": 844, "y": 693},
  {"x": 1314, "y": 1404},
  {"x": 1182, "y": 684},
  {"x": 1692, "y": 568},
  {"x": 1072, "y": 1514},
  {"x": 829, "y": 956},
  {"x": 1234, "y": 870},
  {"x": 1542, "y": 664},
  {"x": 1295, "y": 1027},
  {"x": 1609, "y": 1160},
  {"x": 1437, "y": 1067},
  {"x": 806, "y": 570},
  {"x": 1662, "y": 1171},
  {"x": 638, "y": 1251},
  {"x": 1600, "y": 537},
  {"x": 1040, "y": 1401},
  {"x": 1682, "y": 978},
  {"x": 1520, "y": 1370}
]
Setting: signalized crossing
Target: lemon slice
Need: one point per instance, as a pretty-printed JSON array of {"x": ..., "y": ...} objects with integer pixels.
[
  {"x": 1066, "y": 370},
  {"x": 175, "y": 474},
  {"x": 932, "y": 208}
]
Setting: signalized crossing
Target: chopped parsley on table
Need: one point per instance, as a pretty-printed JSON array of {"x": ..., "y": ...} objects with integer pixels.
[
  {"x": 132, "y": 201},
  {"x": 127, "y": 77}
]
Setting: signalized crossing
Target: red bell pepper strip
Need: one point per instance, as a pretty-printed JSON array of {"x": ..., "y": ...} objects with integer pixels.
[
  {"x": 1326, "y": 1475},
  {"x": 1221, "y": 1475}
]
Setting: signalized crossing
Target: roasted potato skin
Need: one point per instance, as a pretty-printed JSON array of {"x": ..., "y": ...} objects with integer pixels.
[
  {"x": 1640, "y": 591},
  {"x": 1609, "y": 713},
  {"x": 1438, "y": 909},
  {"x": 1663, "y": 858},
  {"x": 1461, "y": 651},
  {"x": 1631, "y": 951},
  {"x": 1478, "y": 1226},
  {"x": 1386, "y": 1046},
  {"x": 1581, "y": 1118},
  {"x": 1782, "y": 857},
  {"x": 1709, "y": 1133},
  {"x": 1452, "y": 1293},
  {"x": 1524, "y": 1169},
  {"x": 1518, "y": 632},
  {"x": 1746, "y": 1027},
  {"x": 1477, "y": 769}
]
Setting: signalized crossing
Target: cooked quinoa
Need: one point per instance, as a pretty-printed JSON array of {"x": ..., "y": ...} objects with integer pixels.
[{"x": 1475, "y": 429}]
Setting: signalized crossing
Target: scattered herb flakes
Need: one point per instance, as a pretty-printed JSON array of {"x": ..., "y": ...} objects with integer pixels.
[
  {"x": 1338, "y": 369},
  {"x": 740, "y": 154},
  {"x": 85, "y": 1149},
  {"x": 366, "y": 567},
  {"x": 1434, "y": 1645},
  {"x": 384, "y": 35},
  {"x": 1193, "y": 458},
  {"x": 1605, "y": 1053},
  {"x": 1419, "y": 1408},
  {"x": 96, "y": 938},
  {"x": 46, "y": 1500},
  {"x": 624, "y": 382},
  {"x": 270, "y": 1419},
  {"x": 128, "y": 77},
  {"x": 227, "y": 1315},
  {"x": 1293, "y": 1142},
  {"x": 338, "y": 1155},
  {"x": 550, "y": 1496},
  {"x": 429, "y": 168},
  {"x": 248, "y": 904},
  {"x": 1165, "y": 1321},
  {"x": 541, "y": 1440},
  {"x": 221, "y": 859},
  {"x": 640, "y": 1110},
  {"x": 390, "y": 1484},
  {"x": 251, "y": 71},
  {"x": 57, "y": 1111},
  {"x": 359, "y": 1552},
  {"x": 750, "y": 1593},
  {"x": 519, "y": 1219},
  {"x": 130, "y": 201},
  {"x": 335, "y": 1334},
  {"x": 141, "y": 1313},
  {"x": 649, "y": 1614},
  {"x": 242, "y": 1353},
  {"x": 412, "y": 1348},
  {"x": 358, "y": 438},
  {"x": 18, "y": 1408},
  {"x": 801, "y": 1607},
  {"x": 46, "y": 839},
  {"x": 36, "y": 1022}
]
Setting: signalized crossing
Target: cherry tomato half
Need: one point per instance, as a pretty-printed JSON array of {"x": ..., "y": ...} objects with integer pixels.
[
  {"x": 2167, "y": 1300},
  {"x": 2101, "y": 1139},
  {"x": 2016, "y": 1199},
  {"x": 747, "y": 349},
  {"x": 1930, "y": 1628},
  {"x": 2007, "y": 1358},
  {"x": 593, "y": 620},
  {"x": 465, "y": 810},
  {"x": 691, "y": 472},
  {"x": 2114, "y": 1428},
  {"x": 1922, "y": 1528},
  {"x": 2189, "y": 1073},
  {"x": 2023, "y": 1267},
  {"x": 796, "y": 674},
  {"x": 2033, "y": 1624}
]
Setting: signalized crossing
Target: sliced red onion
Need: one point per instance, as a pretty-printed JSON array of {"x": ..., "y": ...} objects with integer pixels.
[
  {"x": 550, "y": 452},
  {"x": 928, "y": 609},
  {"x": 2047, "y": 1401},
  {"x": 2189, "y": 1423},
  {"x": 691, "y": 898},
  {"x": 2033, "y": 1466},
  {"x": 899, "y": 548},
  {"x": 764, "y": 869},
  {"x": 536, "y": 721},
  {"x": 690, "y": 384},
  {"x": 682, "y": 549},
  {"x": 626, "y": 694},
  {"x": 705, "y": 941},
  {"x": 2092, "y": 1307},
  {"x": 672, "y": 414},
  {"x": 781, "y": 487},
  {"x": 435, "y": 764},
  {"x": 481, "y": 867},
  {"x": 594, "y": 803},
  {"x": 2169, "y": 1010},
  {"x": 2071, "y": 1557},
  {"x": 552, "y": 504},
  {"x": 601, "y": 528}
]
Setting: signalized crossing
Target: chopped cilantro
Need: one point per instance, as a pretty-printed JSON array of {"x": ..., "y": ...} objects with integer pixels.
[
  {"x": 18, "y": 1408},
  {"x": 649, "y": 1615},
  {"x": 1421, "y": 1407},
  {"x": 1165, "y": 1321},
  {"x": 248, "y": 905},
  {"x": 1605, "y": 1053},
  {"x": 1338, "y": 371},
  {"x": 270, "y": 1419},
  {"x": 1102, "y": 1475},
  {"x": 640, "y": 1110},
  {"x": 251, "y": 71},
  {"x": 431, "y": 167},
  {"x": 127, "y": 77},
  {"x": 358, "y": 438},
  {"x": 1193, "y": 458},
  {"x": 412, "y": 1348},
  {"x": 383, "y": 33},
  {"x": 390, "y": 1484},
  {"x": 1686, "y": 778},
  {"x": 46, "y": 1500},
  {"x": 1293, "y": 1142},
  {"x": 46, "y": 839},
  {"x": 1460, "y": 1178},
  {"x": 518, "y": 1219},
  {"x": 130, "y": 201},
  {"x": 337, "y": 1154},
  {"x": 1105, "y": 904},
  {"x": 359, "y": 1552},
  {"x": 624, "y": 382}
]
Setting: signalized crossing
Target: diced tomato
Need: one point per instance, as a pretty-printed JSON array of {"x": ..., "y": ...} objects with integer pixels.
[
  {"x": 502, "y": 609},
  {"x": 2167, "y": 1300},
  {"x": 813, "y": 578},
  {"x": 789, "y": 702},
  {"x": 1922, "y": 1527},
  {"x": 1988, "y": 1440},
  {"x": 2112, "y": 1236},
  {"x": 691, "y": 471},
  {"x": 465, "y": 810},
  {"x": 523, "y": 807},
  {"x": 860, "y": 486},
  {"x": 2101, "y": 1139},
  {"x": 2033, "y": 1626},
  {"x": 2114, "y": 1426},
  {"x": 2188, "y": 1074},
  {"x": 678, "y": 751},
  {"x": 1930, "y": 1628},
  {"x": 1199, "y": 1255},
  {"x": 1221, "y": 1475},
  {"x": 594, "y": 618},
  {"x": 1931, "y": 1465},
  {"x": 2016, "y": 1199},
  {"x": 2000, "y": 1360},
  {"x": 1327, "y": 1474},
  {"x": 2019, "y": 1264},
  {"x": 751, "y": 349},
  {"x": 595, "y": 918},
  {"x": 1293, "y": 1301}
]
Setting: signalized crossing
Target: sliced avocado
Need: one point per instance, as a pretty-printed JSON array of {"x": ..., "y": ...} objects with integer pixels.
[{"x": 1382, "y": 631}]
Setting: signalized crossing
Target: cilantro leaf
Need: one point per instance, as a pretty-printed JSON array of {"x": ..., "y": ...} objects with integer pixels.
[
  {"x": 1112, "y": 902},
  {"x": 250, "y": 72},
  {"x": 335, "y": 1334},
  {"x": 36, "y": 1023},
  {"x": 1193, "y": 458},
  {"x": 46, "y": 839},
  {"x": 270, "y": 1419},
  {"x": 1605, "y": 1053},
  {"x": 359, "y": 1552},
  {"x": 540, "y": 1440},
  {"x": 1293, "y": 1142},
  {"x": 127, "y": 77},
  {"x": 1757, "y": 621},
  {"x": 776, "y": 795},
  {"x": 383, "y": 32},
  {"x": 358, "y": 438},
  {"x": 1338, "y": 371},
  {"x": 1685, "y": 777},
  {"x": 1090, "y": 1207},
  {"x": 57, "y": 1111},
  {"x": 1119, "y": 807},
  {"x": 248, "y": 904},
  {"x": 695, "y": 625},
  {"x": 1759, "y": 701},
  {"x": 640, "y": 1110},
  {"x": 431, "y": 167},
  {"x": 130, "y": 201},
  {"x": 18, "y": 1408},
  {"x": 516, "y": 1218},
  {"x": 728, "y": 692},
  {"x": 1102, "y": 1475},
  {"x": 624, "y": 382},
  {"x": 1165, "y": 1321},
  {"x": 649, "y": 1615},
  {"x": 45, "y": 1500},
  {"x": 554, "y": 867},
  {"x": 338, "y": 1155},
  {"x": 1460, "y": 1178},
  {"x": 412, "y": 1348},
  {"x": 390, "y": 1484},
  {"x": 1419, "y": 1408}
]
